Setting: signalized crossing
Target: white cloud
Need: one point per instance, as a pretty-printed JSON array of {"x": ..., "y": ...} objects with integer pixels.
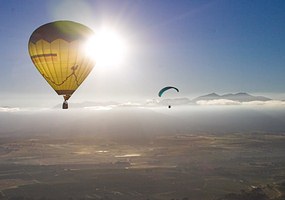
[
  {"x": 218, "y": 102},
  {"x": 266, "y": 103},
  {"x": 250, "y": 103},
  {"x": 131, "y": 104},
  {"x": 152, "y": 102},
  {"x": 100, "y": 107},
  {"x": 9, "y": 109}
]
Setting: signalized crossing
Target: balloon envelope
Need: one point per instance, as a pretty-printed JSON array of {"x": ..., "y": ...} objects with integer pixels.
[
  {"x": 57, "y": 51},
  {"x": 165, "y": 89}
]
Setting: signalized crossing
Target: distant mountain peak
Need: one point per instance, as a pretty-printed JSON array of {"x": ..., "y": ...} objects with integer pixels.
[
  {"x": 213, "y": 94},
  {"x": 242, "y": 93}
]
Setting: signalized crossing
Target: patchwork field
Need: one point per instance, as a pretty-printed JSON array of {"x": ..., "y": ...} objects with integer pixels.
[{"x": 181, "y": 166}]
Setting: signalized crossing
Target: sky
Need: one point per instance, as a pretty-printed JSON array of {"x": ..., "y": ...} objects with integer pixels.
[{"x": 199, "y": 46}]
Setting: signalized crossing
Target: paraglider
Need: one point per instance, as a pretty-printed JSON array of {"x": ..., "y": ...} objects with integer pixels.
[
  {"x": 57, "y": 51},
  {"x": 165, "y": 89}
]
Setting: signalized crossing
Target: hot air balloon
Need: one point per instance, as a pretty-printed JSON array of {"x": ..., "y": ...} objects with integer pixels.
[
  {"x": 57, "y": 51},
  {"x": 165, "y": 89}
]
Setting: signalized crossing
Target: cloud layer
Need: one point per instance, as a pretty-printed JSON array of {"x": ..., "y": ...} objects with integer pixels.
[
  {"x": 231, "y": 102},
  {"x": 152, "y": 103}
]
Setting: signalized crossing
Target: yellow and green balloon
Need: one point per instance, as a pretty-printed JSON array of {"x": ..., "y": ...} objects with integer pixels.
[{"x": 57, "y": 51}]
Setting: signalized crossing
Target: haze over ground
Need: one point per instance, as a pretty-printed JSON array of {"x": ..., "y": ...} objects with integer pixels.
[{"x": 144, "y": 122}]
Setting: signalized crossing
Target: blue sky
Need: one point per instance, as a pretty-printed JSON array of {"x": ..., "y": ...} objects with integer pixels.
[{"x": 199, "y": 46}]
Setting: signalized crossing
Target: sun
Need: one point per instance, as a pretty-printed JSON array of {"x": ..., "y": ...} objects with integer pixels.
[{"x": 107, "y": 47}]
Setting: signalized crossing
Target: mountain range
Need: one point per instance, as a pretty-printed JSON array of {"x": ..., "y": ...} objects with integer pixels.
[{"x": 241, "y": 97}]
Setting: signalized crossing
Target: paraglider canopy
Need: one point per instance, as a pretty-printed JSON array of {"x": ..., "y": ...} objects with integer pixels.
[{"x": 165, "y": 89}]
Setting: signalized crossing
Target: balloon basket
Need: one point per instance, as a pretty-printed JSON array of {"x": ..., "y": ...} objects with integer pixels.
[{"x": 65, "y": 105}]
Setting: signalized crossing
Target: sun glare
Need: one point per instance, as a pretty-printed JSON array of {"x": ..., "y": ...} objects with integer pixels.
[{"x": 106, "y": 47}]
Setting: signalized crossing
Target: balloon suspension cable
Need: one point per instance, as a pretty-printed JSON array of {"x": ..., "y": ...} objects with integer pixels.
[
  {"x": 65, "y": 104},
  {"x": 66, "y": 97}
]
